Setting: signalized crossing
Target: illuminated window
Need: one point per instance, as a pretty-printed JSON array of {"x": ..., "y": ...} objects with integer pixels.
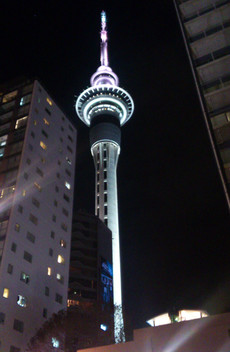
[
  {"x": 22, "y": 301},
  {"x": 42, "y": 145},
  {"x": 21, "y": 122},
  {"x": 46, "y": 122},
  {"x": 49, "y": 101},
  {"x": 60, "y": 259},
  {"x": 37, "y": 186},
  {"x": 3, "y": 140},
  {"x": 60, "y": 278},
  {"x": 63, "y": 243},
  {"x": 67, "y": 184},
  {"x": 68, "y": 160},
  {"x": 55, "y": 342},
  {"x": 5, "y": 293},
  {"x": 10, "y": 96},
  {"x": 35, "y": 122},
  {"x": 49, "y": 271},
  {"x": 17, "y": 227},
  {"x": 23, "y": 192},
  {"x": 24, "y": 100},
  {"x": 24, "y": 277}
]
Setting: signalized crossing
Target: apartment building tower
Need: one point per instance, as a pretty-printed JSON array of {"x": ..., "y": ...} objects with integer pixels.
[
  {"x": 37, "y": 163},
  {"x": 205, "y": 25}
]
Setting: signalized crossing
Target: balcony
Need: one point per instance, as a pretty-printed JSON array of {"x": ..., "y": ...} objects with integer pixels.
[
  {"x": 218, "y": 99},
  {"x": 195, "y": 8},
  {"x": 214, "y": 70}
]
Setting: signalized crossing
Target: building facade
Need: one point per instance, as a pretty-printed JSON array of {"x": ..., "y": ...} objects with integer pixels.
[
  {"x": 90, "y": 275},
  {"x": 207, "y": 334},
  {"x": 37, "y": 164},
  {"x": 105, "y": 107},
  {"x": 205, "y": 25}
]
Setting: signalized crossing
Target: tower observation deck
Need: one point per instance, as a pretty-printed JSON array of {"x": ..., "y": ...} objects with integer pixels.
[{"x": 105, "y": 107}]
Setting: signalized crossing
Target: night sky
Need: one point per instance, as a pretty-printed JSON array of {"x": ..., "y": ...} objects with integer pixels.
[{"x": 174, "y": 221}]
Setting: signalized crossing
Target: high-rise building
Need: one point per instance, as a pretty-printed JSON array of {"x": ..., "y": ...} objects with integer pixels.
[
  {"x": 37, "y": 163},
  {"x": 104, "y": 107},
  {"x": 205, "y": 25},
  {"x": 90, "y": 275}
]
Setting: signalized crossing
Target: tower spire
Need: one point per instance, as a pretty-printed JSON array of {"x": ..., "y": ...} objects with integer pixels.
[{"x": 104, "y": 41}]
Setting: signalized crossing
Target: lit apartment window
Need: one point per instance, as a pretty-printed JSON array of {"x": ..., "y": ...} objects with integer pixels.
[
  {"x": 5, "y": 293},
  {"x": 62, "y": 243},
  {"x": 37, "y": 186},
  {"x": 68, "y": 160},
  {"x": 49, "y": 101},
  {"x": 17, "y": 227},
  {"x": 22, "y": 301},
  {"x": 3, "y": 140},
  {"x": 10, "y": 96},
  {"x": 60, "y": 278},
  {"x": 23, "y": 192},
  {"x": 24, "y": 277},
  {"x": 43, "y": 145},
  {"x": 46, "y": 122},
  {"x": 35, "y": 122},
  {"x": 67, "y": 184},
  {"x": 60, "y": 259},
  {"x": 55, "y": 342},
  {"x": 24, "y": 100},
  {"x": 21, "y": 122},
  {"x": 49, "y": 271}
]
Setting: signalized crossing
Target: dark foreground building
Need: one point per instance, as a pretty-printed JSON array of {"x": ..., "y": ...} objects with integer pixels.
[{"x": 205, "y": 25}]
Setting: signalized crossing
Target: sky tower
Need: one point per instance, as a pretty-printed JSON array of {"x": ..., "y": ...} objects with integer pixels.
[{"x": 105, "y": 107}]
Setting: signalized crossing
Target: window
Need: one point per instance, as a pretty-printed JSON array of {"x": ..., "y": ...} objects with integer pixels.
[
  {"x": 71, "y": 128},
  {"x": 105, "y": 186},
  {"x": 27, "y": 256},
  {"x": 60, "y": 278},
  {"x": 35, "y": 121},
  {"x": 60, "y": 259},
  {"x": 37, "y": 186},
  {"x": 105, "y": 211},
  {"x": 55, "y": 342},
  {"x": 42, "y": 145},
  {"x": 46, "y": 122},
  {"x": 32, "y": 134},
  {"x": 58, "y": 298},
  {"x": 24, "y": 100},
  {"x": 35, "y": 202},
  {"x": 63, "y": 243},
  {"x": 66, "y": 197},
  {"x": 52, "y": 235},
  {"x": 43, "y": 160},
  {"x": 70, "y": 138},
  {"x": 105, "y": 174},
  {"x": 18, "y": 325},
  {"x": 33, "y": 219},
  {"x": 64, "y": 227},
  {"x": 5, "y": 293},
  {"x": 48, "y": 112},
  {"x": 68, "y": 160},
  {"x": 44, "y": 313},
  {"x": 58, "y": 175},
  {"x": 59, "y": 162},
  {"x": 10, "y": 269},
  {"x": 62, "y": 128},
  {"x": 30, "y": 147},
  {"x": 106, "y": 221},
  {"x": 24, "y": 193},
  {"x": 2, "y": 318},
  {"x": 54, "y": 218},
  {"x": 39, "y": 171},
  {"x": 21, "y": 122},
  {"x": 45, "y": 134},
  {"x": 69, "y": 149},
  {"x": 22, "y": 301},
  {"x": 105, "y": 197},
  {"x": 68, "y": 172},
  {"x": 26, "y": 176},
  {"x": 51, "y": 252},
  {"x": 56, "y": 189},
  {"x": 3, "y": 140},
  {"x": 105, "y": 164},
  {"x": 47, "y": 291},
  {"x": 49, "y": 271},
  {"x": 55, "y": 203},
  {"x": 98, "y": 188},
  {"x": 49, "y": 101},
  {"x": 9, "y": 96},
  {"x": 65, "y": 212},
  {"x": 98, "y": 199},
  {"x": 20, "y": 209},
  {"x": 61, "y": 139},
  {"x": 13, "y": 247},
  {"x": 30, "y": 237},
  {"x": 17, "y": 227},
  {"x": 67, "y": 184},
  {"x": 24, "y": 277}
]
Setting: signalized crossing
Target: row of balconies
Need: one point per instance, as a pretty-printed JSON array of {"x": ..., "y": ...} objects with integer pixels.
[{"x": 195, "y": 8}]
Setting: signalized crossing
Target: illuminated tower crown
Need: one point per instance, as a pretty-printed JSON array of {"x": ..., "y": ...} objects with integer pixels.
[{"x": 105, "y": 107}]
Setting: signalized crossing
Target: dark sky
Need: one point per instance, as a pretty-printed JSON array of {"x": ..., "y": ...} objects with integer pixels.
[{"x": 174, "y": 222}]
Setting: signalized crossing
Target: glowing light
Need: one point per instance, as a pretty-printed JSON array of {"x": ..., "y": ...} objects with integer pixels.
[
  {"x": 5, "y": 293},
  {"x": 46, "y": 121},
  {"x": 49, "y": 101},
  {"x": 43, "y": 145},
  {"x": 22, "y": 301},
  {"x": 67, "y": 184},
  {"x": 103, "y": 327},
  {"x": 49, "y": 271},
  {"x": 55, "y": 342},
  {"x": 60, "y": 259}
]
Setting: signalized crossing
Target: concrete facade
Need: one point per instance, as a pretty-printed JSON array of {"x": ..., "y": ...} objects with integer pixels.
[
  {"x": 205, "y": 27},
  {"x": 38, "y": 145}
]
